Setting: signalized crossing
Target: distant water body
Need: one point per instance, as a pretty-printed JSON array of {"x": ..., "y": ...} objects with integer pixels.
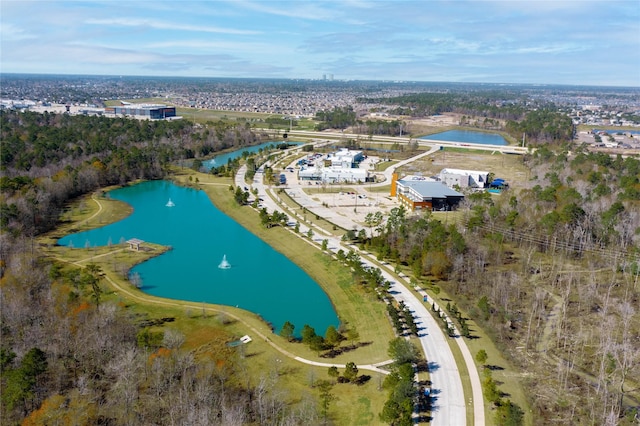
[
  {"x": 468, "y": 136},
  {"x": 259, "y": 279},
  {"x": 223, "y": 159},
  {"x": 616, "y": 131}
]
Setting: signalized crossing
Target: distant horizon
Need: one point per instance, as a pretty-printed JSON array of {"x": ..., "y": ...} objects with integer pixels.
[
  {"x": 389, "y": 81},
  {"x": 544, "y": 42}
]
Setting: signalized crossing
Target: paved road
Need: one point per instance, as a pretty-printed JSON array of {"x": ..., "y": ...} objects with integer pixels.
[
  {"x": 388, "y": 172},
  {"x": 446, "y": 385},
  {"x": 447, "y": 392},
  {"x": 511, "y": 149}
]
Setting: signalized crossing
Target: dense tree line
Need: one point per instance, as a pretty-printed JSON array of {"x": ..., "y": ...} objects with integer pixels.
[
  {"x": 337, "y": 118},
  {"x": 48, "y": 159},
  {"x": 280, "y": 121},
  {"x": 542, "y": 126},
  {"x": 401, "y": 386},
  {"x": 424, "y": 244},
  {"x": 65, "y": 360},
  {"x": 381, "y": 127},
  {"x": 492, "y": 104},
  {"x": 402, "y": 319},
  {"x": 588, "y": 202},
  {"x": 539, "y": 122}
]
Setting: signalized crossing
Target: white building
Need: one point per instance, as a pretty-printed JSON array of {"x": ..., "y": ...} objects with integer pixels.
[
  {"x": 333, "y": 174},
  {"x": 338, "y": 167},
  {"x": 464, "y": 178},
  {"x": 345, "y": 158}
]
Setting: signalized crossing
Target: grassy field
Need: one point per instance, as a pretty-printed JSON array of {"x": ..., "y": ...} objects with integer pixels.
[{"x": 506, "y": 166}]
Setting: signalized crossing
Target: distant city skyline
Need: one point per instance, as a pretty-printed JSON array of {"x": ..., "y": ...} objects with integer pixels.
[{"x": 513, "y": 42}]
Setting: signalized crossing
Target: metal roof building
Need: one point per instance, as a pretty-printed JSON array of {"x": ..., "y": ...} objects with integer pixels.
[
  {"x": 424, "y": 194},
  {"x": 150, "y": 111}
]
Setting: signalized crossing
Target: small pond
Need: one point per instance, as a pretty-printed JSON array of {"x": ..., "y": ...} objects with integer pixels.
[{"x": 468, "y": 136}]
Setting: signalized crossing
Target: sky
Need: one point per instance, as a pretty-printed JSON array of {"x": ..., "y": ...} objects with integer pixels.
[{"x": 540, "y": 42}]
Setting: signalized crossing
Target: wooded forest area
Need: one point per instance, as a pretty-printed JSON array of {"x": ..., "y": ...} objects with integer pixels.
[
  {"x": 48, "y": 159},
  {"x": 511, "y": 113},
  {"x": 62, "y": 347}
]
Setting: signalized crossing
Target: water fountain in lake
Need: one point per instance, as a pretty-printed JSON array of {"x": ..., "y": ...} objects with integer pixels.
[
  {"x": 170, "y": 203},
  {"x": 224, "y": 264}
]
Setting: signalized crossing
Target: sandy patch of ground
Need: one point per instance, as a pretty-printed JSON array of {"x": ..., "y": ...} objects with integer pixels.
[{"x": 444, "y": 120}]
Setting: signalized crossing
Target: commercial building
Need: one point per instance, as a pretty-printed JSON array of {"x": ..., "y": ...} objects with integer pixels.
[
  {"x": 91, "y": 111},
  {"x": 345, "y": 158},
  {"x": 464, "y": 178},
  {"x": 333, "y": 174},
  {"x": 417, "y": 193},
  {"x": 338, "y": 167},
  {"x": 149, "y": 111}
]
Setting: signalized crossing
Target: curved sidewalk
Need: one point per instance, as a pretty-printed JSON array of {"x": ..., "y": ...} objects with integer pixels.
[{"x": 145, "y": 298}]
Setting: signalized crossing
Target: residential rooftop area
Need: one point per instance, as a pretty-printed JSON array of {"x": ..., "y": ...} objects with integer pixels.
[{"x": 304, "y": 98}]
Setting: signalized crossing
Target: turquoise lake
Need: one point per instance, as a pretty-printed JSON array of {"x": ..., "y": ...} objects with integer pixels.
[
  {"x": 260, "y": 280},
  {"x": 468, "y": 136}
]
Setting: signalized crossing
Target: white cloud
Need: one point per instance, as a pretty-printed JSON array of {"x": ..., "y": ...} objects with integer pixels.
[
  {"x": 161, "y": 25},
  {"x": 11, "y": 32},
  {"x": 333, "y": 12},
  {"x": 550, "y": 49}
]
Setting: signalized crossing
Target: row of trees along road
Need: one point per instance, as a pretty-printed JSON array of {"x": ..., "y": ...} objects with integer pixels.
[{"x": 550, "y": 271}]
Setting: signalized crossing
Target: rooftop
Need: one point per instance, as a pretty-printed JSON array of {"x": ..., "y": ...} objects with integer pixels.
[{"x": 430, "y": 189}]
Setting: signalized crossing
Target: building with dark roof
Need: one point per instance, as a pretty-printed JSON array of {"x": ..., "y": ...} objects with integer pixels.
[
  {"x": 149, "y": 111},
  {"x": 423, "y": 193}
]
